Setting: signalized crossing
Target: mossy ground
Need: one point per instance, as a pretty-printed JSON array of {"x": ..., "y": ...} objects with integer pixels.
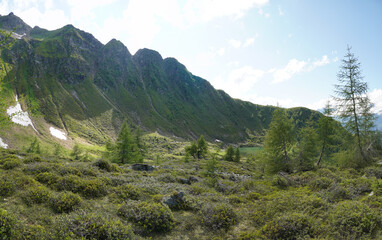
[{"x": 51, "y": 197}]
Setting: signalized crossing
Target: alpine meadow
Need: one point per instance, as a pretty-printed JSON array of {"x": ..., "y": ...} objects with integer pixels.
[{"x": 99, "y": 143}]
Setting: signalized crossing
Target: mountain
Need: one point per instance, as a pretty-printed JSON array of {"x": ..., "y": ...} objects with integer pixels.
[{"x": 76, "y": 83}]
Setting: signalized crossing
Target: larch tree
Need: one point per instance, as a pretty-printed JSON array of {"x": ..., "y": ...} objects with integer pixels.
[
  {"x": 229, "y": 154},
  {"x": 126, "y": 149},
  {"x": 353, "y": 104},
  {"x": 326, "y": 131},
  {"x": 278, "y": 141}
]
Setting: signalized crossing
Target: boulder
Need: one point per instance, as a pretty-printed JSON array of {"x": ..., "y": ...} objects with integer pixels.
[
  {"x": 142, "y": 167},
  {"x": 175, "y": 201}
]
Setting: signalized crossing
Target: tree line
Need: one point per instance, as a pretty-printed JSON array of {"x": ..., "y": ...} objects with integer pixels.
[{"x": 355, "y": 143}]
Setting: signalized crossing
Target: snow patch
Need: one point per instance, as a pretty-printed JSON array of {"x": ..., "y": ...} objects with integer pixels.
[
  {"x": 18, "y": 36},
  {"x": 57, "y": 133},
  {"x": 19, "y": 116},
  {"x": 3, "y": 144}
]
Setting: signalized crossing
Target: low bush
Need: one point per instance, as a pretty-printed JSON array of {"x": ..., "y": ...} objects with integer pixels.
[
  {"x": 6, "y": 224},
  {"x": 37, "y": 194},
  {"x": 37, "y": 167},
  {"x": 252, "y": 196},
  {"x": 373, "y": 201},
  {"x": 11, "y": 163},
  {"x": 7, "y": 186},
  {"x": 353, "y": 220},
  {"x": 126, "y": 192},
  {"x": 290, "y": 226},
  {"x": 65, "y": 202},
  {"x": 107, "y": 166},
  {"x": 357, "y": 186},
  {"x": 152, "y": 217},
  {"x": 35, "y": 232},
  {"x": 93, "y": 226},
  {"x": 32, "y": 158},
  {"x": 337, "y": 193},
  {"x": 71, "y": 183},
  {"x": 93, "y": 188},
  {"x": 280, "y": 182},
  {"x": 47, "y": 178},
  {"x": 375, "y": 171},
  {"x": 219, "y": 216},
  {"x": 377, "y": 187},
  {"x": 320, "y": 183}
]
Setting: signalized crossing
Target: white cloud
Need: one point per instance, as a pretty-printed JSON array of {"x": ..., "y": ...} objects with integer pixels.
[
  {"x": 206, "y": 10},
  {"x": 281, "y": 13},
  {"x": 245, "y": 75},
  {"x": 33, "y": 17},
  {"x": 324, "y": 60},
  {"x": 281, "y": 102},
  {"x": 320, "y": 104},
  {"x": 294, "y": 66},
  {"x": 376, "y": 98},
  {"x": 262, "y": 13},
  {"x": 4, "y": 7},
  {"x": 248, "y": 42},
  {"x": 240, "y": 81},
  {"x": 235, "y": 43},
  {"x": 136, "y": 25},
  {"x": 221, "y": 51}
]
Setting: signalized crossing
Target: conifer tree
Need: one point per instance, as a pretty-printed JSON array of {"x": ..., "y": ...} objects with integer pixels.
[
  {"x": 278, "y": 141},
  {"x": 77, "y": 152},
  {"x": 126, "y": 149},
  {"x": 229, "y": 154},
  {"x": 192, "y": 149},
  {"x": 307, "y": 148},
  {"x": 202, "y": 147},
  {"x": 325, "y": 131},
  {"x": 198, "y": 149},
  {"x": 35, "y": 147},
  {"x": 353, "y": 104},
  {"x": 237, "y": 155}
]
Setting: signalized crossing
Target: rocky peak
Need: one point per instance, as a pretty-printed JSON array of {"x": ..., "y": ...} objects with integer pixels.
[
  {"x": 148, "y": 57},
  {"x": 12, "y": 22}
]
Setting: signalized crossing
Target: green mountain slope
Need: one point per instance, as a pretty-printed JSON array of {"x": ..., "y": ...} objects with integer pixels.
[{"x": 78, "y": 84}]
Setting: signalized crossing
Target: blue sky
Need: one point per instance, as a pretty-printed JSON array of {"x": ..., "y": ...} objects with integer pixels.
[{"x": 263, "y": 51}]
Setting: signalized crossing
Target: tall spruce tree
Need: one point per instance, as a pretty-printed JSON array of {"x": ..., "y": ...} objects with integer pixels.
[
  {"x": 353, "y": 104},
  {"x": 278, "y": 141}
]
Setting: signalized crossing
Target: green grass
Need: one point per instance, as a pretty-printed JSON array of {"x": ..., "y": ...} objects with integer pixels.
[{"x": 246, "y": 151}]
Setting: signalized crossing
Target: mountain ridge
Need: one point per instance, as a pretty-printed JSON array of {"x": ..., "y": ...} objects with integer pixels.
[{"x": 79, "y": 84}]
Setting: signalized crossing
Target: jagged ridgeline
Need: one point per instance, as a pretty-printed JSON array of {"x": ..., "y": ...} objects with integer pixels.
[{"x": 78, "y": 84}]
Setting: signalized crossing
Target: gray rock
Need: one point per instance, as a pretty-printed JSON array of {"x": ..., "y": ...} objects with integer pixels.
[
  {"x": 142, "y": 167},
  {"x": 193, "y": 179},
  {"x": 184, "y": 181},
  {"x": 174, "y": 201}
]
